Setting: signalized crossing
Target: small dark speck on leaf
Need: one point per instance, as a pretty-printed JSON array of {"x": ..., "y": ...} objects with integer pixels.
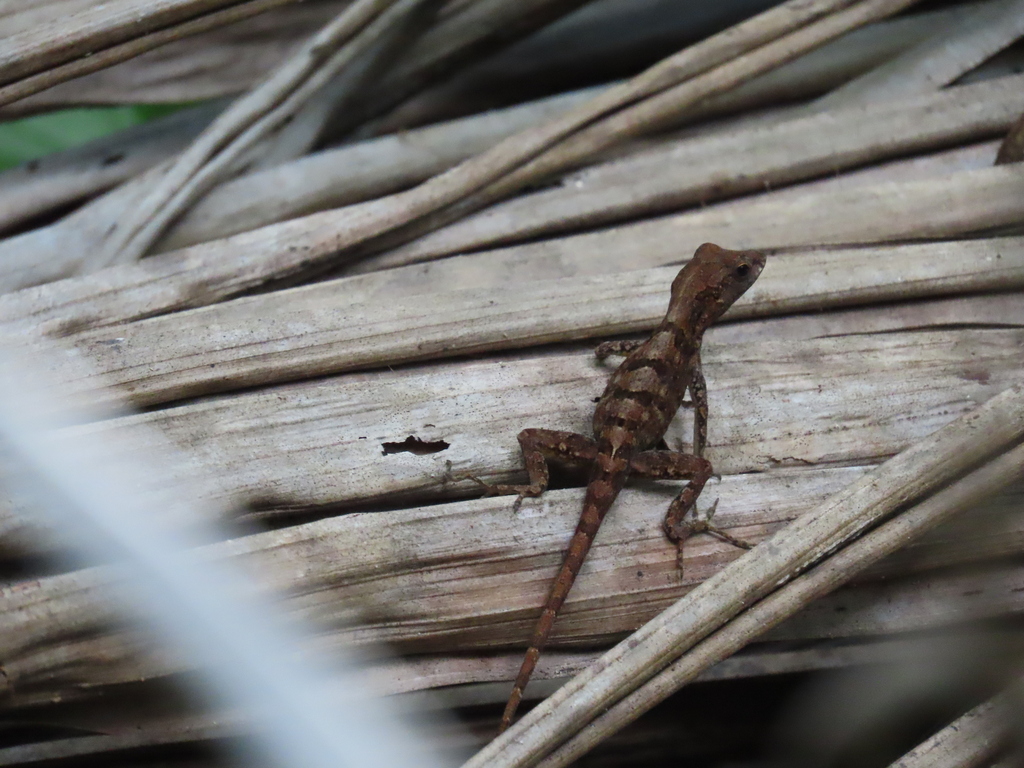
[
  {"x": 415, "y": 445},
  {"x": 117, "y": 157}
]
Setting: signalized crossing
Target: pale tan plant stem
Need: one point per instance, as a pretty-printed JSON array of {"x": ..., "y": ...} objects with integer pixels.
[
  {"x": 164, "y": 202},
  {"x": 937, "y": 61},
  {"x": 235, "y": 123},
  {"x": 661, "y": 95},
  {"x": 132, "y": 48},
  {"x": 89, "y": 28},
  {"x": 771, "y": 611},
  {"x": 922, "y": 469},
  {"x": 969, "y": 741}
]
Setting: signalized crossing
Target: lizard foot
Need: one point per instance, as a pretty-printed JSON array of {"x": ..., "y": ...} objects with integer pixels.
[
  {"x": 688, "y": 527},
  {"x": 489, "y": 490},
  {"x": 521, "y": 491}
]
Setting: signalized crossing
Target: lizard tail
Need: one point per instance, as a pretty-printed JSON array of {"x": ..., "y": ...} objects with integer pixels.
[
  {"x": 540, "y": 636},
  {"x": 601, "y": 492},
  {"x": 532, "y": 654}
]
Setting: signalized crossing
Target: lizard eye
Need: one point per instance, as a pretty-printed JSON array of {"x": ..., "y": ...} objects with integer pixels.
[{"x": 742, "y": 270}]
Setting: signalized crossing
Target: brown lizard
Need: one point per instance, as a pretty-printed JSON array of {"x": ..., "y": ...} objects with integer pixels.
[{"x": 630, "y": 421}]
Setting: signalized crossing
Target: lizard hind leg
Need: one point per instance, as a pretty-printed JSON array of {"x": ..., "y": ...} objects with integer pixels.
[
  {"x": 679, "y": 524},
  {"x": 539, "y": 447},
  {"x": 672, "y": 465}
]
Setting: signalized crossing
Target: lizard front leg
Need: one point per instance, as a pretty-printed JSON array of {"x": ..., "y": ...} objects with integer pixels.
[
  {"x": 621, "y": 347},
  {"x": 540, "y": 446}
]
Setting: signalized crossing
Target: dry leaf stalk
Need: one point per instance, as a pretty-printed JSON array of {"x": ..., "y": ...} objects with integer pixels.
[
  {"x": 961, "y": 496},
  {"x": 917, "y": 471}
]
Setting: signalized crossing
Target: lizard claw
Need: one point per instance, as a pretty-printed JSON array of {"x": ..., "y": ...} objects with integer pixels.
[
  {"x": 521, "y": 491},
  {"x": 717, "y": 532},
  {"x": 489, "y": 490},
  {"x": 711, "y": 512},
  {"x": 692, "y": 526}
]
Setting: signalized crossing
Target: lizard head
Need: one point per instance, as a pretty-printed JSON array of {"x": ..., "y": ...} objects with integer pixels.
[{"x": 711, "y": 281}]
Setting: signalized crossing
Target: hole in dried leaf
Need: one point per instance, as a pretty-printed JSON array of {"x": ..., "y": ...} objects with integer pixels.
[{"x": 415, "y": 445}]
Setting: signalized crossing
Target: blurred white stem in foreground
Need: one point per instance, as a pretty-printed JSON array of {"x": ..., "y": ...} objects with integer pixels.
[{"x": 104, "y": 496}]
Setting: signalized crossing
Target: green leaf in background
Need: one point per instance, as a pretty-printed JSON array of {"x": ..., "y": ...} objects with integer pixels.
[{"x": 33, "y": 137}]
